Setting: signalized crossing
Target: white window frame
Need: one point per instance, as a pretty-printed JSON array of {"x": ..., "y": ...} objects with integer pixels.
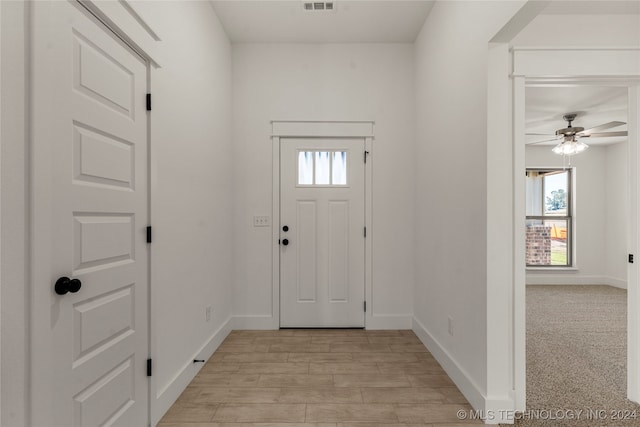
[{"x": 345, "y": 150}]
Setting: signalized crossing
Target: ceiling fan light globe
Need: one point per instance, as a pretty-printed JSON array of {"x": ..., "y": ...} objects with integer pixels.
[
  {"x": 569, "y": 148},
  {"x": 579, "y": 147}
]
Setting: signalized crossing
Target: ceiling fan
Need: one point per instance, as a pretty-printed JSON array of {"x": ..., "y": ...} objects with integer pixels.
[{"x": 569, "y": 137}]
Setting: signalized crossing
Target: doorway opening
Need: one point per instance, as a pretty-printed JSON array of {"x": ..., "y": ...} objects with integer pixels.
[{"x": 577, "y": 225}]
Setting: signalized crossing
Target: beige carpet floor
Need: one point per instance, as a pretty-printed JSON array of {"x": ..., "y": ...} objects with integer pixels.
[{"x": 576, "y": 357}]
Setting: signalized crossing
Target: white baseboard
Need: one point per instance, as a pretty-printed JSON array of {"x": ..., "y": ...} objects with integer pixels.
[
  {"x": 265, "y": 322},
  {"x": 389, "y": 321},
  {"x": 168, "y": 395},
  {"x": 616, "y": 283},
  {"x": 250, "y": 322},
  {"x": 495, "y": 410},
  {"x": 458, "y": 375},
  {"x": 574, "y": 279}
]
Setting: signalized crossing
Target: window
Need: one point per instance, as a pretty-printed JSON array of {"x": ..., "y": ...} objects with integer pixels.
[
  {"x": 322, "y": 168},
  {"x": 549, "y": 218}
]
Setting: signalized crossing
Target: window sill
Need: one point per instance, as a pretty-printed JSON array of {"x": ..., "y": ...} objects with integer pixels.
[{"x": 552, "y": 269}]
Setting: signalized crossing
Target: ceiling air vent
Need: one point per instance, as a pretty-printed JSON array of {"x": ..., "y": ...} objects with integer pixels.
[{"x": 318, "y": 5}]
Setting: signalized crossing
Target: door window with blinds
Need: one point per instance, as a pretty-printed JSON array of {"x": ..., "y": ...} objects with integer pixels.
[
  {"x": 321, "y": 168},
  {"x": 549, "y": 225}
]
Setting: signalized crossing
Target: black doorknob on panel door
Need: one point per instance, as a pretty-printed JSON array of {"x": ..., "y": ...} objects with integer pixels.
[
  {"x": 74, "y": 285},
  {"x": 65, "y": 285},
  {"x": 285, "y": 228},
  {"x": 285, "y": 242}
]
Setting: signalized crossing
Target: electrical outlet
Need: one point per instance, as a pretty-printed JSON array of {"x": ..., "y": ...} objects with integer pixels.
[
  {"x": 261, "y": 221},
  {"x": 450, "y": 325},
  {"x": 207, "y": 313}
]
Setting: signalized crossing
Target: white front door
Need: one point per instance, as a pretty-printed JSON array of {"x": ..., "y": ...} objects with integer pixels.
[
  {"x": 322, "y": 234},
  {"x": 90, "y": 196}
]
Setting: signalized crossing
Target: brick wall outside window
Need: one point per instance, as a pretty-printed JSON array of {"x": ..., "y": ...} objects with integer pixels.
[{"x": 538, "y": 245}]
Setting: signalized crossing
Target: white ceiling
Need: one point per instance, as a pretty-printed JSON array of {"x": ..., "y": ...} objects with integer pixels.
[
  {"x": 592, "y": 7},
  {"x": 400, "y": 21},
  {"x": 361, "y": 21},
  {"x": 595, "y": 105},
  {"x": 286, "y": 21}
]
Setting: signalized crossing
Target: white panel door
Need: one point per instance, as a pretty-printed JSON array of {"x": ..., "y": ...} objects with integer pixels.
[
  {"x": 322, "y": 239},
  {"x": 90, "y": 345}
]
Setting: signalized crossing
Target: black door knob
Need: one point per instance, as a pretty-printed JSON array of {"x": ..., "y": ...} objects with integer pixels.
[
  {"x": 64, "y": 285},
  {"x": 285, "y": 242},
  {"x": 74, "y": 285},
  {"x": 285, "y": 228}
]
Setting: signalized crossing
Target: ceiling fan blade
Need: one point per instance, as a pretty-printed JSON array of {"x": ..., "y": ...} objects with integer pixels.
[
  {"x": 540, "y": 142},
  {"x": 602, "y": 127},
  {"x": 540, "y": 134},
  {"x": 605, "y": 134}
]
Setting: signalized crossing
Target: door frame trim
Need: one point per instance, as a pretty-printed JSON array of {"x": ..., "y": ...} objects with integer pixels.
[{"x": 282, "y": 129}]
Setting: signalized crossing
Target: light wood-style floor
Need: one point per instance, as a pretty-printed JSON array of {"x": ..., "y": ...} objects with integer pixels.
[{"x": 323, "y": 378}]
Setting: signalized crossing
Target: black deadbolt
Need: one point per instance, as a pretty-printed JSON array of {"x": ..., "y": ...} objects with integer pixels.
[{"x": 285, "y": 228}]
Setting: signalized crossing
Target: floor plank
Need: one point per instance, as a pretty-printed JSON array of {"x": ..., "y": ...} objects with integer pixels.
[{"x": 319, "y": 378}]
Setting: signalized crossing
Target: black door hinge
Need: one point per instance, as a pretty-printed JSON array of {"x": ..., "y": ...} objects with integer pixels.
[
  {"x": 365, "y": 306},
  {"x": 149, "y": 234},
  {"x": 365, "y": 232},
  {"x": 148, "y": 102},
  {"x": 630, "y": 258},
  {"x": 148, "y": 367},
  {"x": 366, "y": 153}
]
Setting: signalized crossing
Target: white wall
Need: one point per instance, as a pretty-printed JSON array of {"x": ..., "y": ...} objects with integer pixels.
[
  {"x": 324, "y": 82},
  {"x": 451, "y": 181},
  {"x": 14, "y": 155},
  {"x": 587, "y": 30},
  {"x": 617, "y": 214},
  {"x": 191, "y": 191}
]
